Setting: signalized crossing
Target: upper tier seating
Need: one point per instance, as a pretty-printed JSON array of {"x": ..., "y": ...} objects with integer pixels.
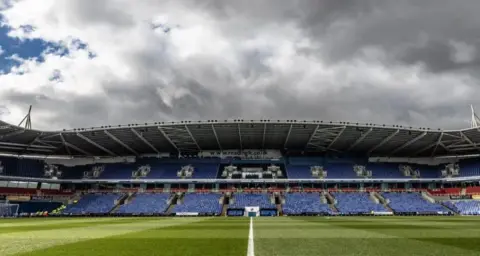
[
  {"x": 411, "y": 203},
  {"x": 243, "y": 200},
  {"x": 469, "y": 167},
  {"x": 340, "y": 170},
  {"x": 94, "y": 204},
  {"x": 299, "y": 172},
  {"x": 464, "y": 207},
  {"x": 146, "y": 204},
  {"x": 22, "y": 167},
  {"x": 427, "y": 171},
  {"x": 385, "y": 170},
  {"x": 208, "y": 168},
  {"x": 356, "y": 202},
  {"x": 200, "y": 203},
  {"x": 304, "y": 203},
  {"x": 205, "y": 171}
]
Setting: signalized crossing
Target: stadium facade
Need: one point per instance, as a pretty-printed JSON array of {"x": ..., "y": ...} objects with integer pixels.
[{"x": 240, "y": 168}]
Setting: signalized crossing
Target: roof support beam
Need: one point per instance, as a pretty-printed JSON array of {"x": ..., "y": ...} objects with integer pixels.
[
  {"x": 144, "y": 140},
  {"x": 95, "y": 144},
  {"x": 193, "y": 138},
  {"x": 336, "y": 137},
  {"x": 439, "y": 142},
  {"x": 120, "y": 142},
  {"x": 383, "y": 141},
  {"x": 240, "y": 137},
  {"x": 30, "y": 149},
  {"x": 324, "y": 131},
  {"x": 408, "y": 143},
  {"x": 216, "y": 138},
  {"x": 13, "y": 133},
  {"x": 360, "y": 139},
  {"x": 33, "y": 141},
  {"x": 24, "y": 145},
  {"x": 288, "y": 136},
  {"x": 467, "y": 145},
  {"x": 168, "y": 139},
  {"x": 46, "y": 143},
  {"x": 311, "y": 136},
  {"x": 264, "y": 134},
  {"x": 465, "y": 137},
  {"x": 435, "y": 144},
  {"x": 51, "y": 136},
  {"x": 424, "y": 148},
  {"x": 67, "y": 147}
]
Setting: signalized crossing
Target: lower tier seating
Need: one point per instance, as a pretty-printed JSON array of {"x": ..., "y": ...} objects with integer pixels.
[
  {"x": 146, "y": 204},
  {"x": 411, "y": 203},
  {"x": 200, "y": 203},
  {"x": 304, "y": 203},
  {"x": 94, "y": 204},
  {"x": 356, "y": 203},
  {"x": 464, "y": 207},
  {"x": 244, "y": 200}
]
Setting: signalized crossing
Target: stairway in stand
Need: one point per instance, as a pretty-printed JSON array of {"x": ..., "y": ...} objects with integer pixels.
[
  {"x": 121, "y": 201},
  {"x": 383, "y": 201}
]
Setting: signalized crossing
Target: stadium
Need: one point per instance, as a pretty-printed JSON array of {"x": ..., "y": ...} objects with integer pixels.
[{"x": 236, "y": 187}]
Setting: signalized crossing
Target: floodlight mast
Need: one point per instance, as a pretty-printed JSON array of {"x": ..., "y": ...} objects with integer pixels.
[
  {"x": 27, "y": 120},
  {"x": 475, "y": 122}
]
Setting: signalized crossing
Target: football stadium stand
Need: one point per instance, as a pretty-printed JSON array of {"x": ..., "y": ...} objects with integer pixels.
[{"x": 233, "y": 167}]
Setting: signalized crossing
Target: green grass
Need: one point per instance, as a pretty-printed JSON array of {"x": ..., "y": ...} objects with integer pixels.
[{"x": 304, "y": 236}]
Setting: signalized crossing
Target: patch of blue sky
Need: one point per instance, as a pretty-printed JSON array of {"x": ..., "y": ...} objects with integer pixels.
[{"x": 15, "y": 49}]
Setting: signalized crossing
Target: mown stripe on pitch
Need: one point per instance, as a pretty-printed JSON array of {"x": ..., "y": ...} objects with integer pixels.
[
  {"x": 42, "y": 221},
  {"x": 337, "y": 239},
  {"x": 63, "y": 225},
  {"x": 166, "y": 241},
  {"x": 13, "y": 243}
]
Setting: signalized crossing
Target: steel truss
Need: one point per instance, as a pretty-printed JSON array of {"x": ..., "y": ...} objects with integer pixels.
[
  {"x": 323, "y": 138},
  {"x": 180, "y": 138}
]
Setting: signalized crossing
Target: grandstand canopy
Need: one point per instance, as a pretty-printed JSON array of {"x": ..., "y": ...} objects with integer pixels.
[{"x": 218, "y": 135}]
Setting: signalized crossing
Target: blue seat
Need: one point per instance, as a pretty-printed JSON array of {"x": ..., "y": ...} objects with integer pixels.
[
  {"x": 146, "y": 203},
  {"x": 244, "y": 200},
  {"x": 94, "y": 204},
  {"x": 356, "y": 203},
  {"x": 464, "y": 207},
  {"x": 411, "y": 203},
  {"x": 200, "y": 203},
  {"x": 304, "y": 203}
]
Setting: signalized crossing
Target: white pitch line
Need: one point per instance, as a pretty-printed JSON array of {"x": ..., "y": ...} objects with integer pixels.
[{"x": 250, "y": 249}]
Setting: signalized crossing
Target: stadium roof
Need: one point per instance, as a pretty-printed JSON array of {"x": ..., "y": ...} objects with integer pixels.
[{"x": 193, "y": 136}]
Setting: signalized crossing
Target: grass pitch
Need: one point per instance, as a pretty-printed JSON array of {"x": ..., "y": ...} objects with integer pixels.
[{"x": 304, "y": 236}]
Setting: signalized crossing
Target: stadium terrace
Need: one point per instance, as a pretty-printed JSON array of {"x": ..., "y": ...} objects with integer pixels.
[{"x": 239, "y": 168}]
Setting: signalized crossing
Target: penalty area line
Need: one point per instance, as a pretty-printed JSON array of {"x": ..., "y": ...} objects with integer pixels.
[{"x": 250, "y": 249}]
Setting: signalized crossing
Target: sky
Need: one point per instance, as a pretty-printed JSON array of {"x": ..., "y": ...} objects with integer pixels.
[{"x": 84, "y": 63}]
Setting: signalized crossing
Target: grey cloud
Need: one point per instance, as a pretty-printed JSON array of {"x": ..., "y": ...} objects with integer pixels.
[
  {"x": 97, "y": 12},
  {"x": 409, "y": 32}
]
